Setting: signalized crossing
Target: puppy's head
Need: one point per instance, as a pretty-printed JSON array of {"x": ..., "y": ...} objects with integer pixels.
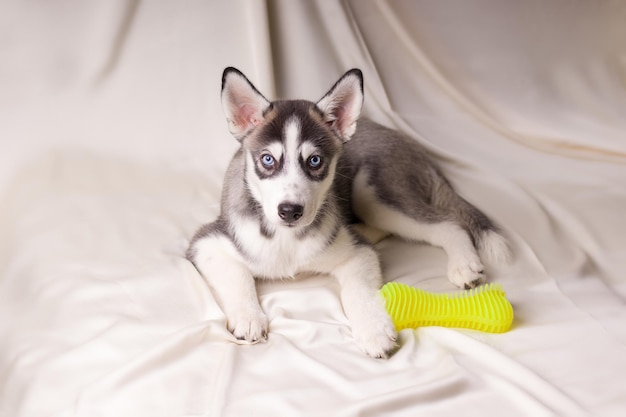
[{"x": 292, "y": 146}]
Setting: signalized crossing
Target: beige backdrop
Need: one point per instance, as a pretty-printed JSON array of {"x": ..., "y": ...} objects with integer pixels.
[{"x": 113, "y": 151}]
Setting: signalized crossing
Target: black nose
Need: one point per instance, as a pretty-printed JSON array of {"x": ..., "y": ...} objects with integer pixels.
[{"x": 290, "y": 212}]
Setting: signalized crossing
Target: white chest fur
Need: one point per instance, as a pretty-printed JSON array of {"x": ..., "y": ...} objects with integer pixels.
[{"x": 281, "y": 256}]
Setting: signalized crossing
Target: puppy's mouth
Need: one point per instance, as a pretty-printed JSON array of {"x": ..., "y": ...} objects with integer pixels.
[
  {"x": 305, "y": 221},
  {"x": 294, "y": 223}
]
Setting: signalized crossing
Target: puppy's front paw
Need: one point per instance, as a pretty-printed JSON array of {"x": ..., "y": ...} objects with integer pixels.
[
  {"x": 375, "y": 334},
  {"x": 466, "y": 273},
  {"x": 249, "y": 325}
]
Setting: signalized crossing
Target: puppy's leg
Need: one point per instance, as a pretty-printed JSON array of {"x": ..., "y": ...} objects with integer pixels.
[
  {"x": 360, "y": 279},
  {"x": 465, "y": 268},
  {"x": 233, "y": 285}
]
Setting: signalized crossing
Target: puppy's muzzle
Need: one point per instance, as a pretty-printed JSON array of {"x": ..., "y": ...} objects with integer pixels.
[{"x": 290, "y": 213}]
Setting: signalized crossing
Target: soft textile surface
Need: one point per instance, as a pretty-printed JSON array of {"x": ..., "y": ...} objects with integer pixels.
[{"x": 113, "y": 151}]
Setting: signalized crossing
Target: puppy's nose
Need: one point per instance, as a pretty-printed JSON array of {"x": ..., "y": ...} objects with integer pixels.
[{"x": 290, "y": 212}]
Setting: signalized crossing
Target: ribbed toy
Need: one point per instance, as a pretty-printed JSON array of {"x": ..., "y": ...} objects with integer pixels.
[{"x": 485, "y": 308}]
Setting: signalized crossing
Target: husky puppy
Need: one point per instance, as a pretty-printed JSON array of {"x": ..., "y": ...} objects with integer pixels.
[{"x": 305, "y": 192}]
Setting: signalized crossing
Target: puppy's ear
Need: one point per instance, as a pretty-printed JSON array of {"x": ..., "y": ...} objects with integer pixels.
[
  {"x": 342, "y": 104},
  {"x": 242, "y": 103}
]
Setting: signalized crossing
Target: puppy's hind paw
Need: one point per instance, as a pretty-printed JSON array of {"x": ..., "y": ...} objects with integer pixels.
[{"x": 467, "y": 275}]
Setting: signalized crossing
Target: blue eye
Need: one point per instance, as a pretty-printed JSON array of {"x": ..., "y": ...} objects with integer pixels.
[
  {"x": 315, "y": 161},
  {"x": 267, "y": 160}
]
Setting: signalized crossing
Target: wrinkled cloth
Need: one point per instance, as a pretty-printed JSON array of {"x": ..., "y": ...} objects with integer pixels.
[{"x": 114, "y": 146}]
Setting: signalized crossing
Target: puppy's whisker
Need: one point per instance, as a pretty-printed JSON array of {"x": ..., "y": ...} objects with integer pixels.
[{"x": 338, "y": 197}]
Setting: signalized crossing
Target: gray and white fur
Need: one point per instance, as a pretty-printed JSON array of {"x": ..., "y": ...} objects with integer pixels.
[{"x": 310, "y": 190}]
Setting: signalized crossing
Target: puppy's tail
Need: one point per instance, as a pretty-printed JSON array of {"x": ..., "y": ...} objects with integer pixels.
[
  {"x": 493, "y": 246},
  {"x": 486, "y": 236}
]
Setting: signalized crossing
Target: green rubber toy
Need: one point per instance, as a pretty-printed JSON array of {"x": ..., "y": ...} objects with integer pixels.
[{"x": 485, "y": 308}]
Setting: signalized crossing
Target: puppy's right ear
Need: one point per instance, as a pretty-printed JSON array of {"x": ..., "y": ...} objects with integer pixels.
[{"x": 242, "y": 103}]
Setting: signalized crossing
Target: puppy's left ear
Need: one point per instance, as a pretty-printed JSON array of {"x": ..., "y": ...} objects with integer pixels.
[{"x": 342, "y": 104}]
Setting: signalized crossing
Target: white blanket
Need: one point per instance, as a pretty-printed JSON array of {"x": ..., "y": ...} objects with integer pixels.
[{"x": 113, "y": 150}]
